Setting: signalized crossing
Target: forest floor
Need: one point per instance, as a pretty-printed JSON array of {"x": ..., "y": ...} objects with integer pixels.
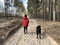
[{"x": 19, "y": 38}]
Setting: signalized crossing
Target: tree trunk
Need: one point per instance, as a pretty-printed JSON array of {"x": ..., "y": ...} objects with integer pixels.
[
  {"x": 58, "y": 16},
  {"x": 50, "y": 9},
  {"x": 54, "y": 10},
  {"x": 44, "y": 10}
]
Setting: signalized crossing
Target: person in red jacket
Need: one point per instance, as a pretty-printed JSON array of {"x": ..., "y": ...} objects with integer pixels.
[{"x": 25, "y": 22}]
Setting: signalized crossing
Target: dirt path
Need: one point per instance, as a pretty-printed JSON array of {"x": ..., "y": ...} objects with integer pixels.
[{"x": 19, "y": 38}]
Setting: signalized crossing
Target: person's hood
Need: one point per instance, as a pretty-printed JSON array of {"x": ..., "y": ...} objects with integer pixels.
[{"x": 24, "y": 17}]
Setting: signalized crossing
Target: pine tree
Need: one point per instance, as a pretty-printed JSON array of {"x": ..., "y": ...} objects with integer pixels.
[{"x": 19, "y": 4}]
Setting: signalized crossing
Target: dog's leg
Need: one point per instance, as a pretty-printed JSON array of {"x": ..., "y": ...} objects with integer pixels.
[
  {"x": 40, "y": 36},
  {"x": 37, "y": 35}
]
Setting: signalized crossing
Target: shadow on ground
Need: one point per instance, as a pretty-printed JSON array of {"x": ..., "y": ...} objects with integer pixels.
[
  {"x": 31, "y": 33},
  {"x": 1, "y": 42},
  {"x": 43, "y": 35},
  {"x": 10, "y": 34},
  {"x": 13, "y": 31}
]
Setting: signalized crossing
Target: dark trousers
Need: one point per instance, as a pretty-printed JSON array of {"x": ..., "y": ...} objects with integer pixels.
[{"x": 25, "y": 30}]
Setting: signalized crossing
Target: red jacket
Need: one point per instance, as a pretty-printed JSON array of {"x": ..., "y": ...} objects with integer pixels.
[{"x": 25, "y": 21}]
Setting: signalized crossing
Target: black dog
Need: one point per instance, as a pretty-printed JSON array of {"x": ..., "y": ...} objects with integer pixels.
[{"x": 38, "y": 31}]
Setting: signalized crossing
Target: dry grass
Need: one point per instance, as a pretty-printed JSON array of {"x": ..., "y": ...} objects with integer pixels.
[{"x": 4, "y": 31}]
